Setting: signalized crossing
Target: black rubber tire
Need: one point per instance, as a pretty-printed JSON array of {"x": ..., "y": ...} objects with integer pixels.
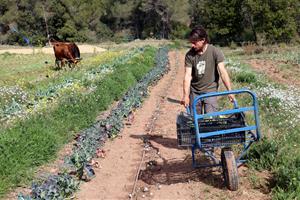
[{"x": 230, "y": 170}]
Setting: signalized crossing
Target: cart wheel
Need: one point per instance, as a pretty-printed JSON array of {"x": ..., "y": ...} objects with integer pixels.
[{"x": 230, "y": 171}]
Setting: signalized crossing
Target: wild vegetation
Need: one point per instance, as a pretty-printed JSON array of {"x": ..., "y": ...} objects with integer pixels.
[
  {"x": 278, "y": 152},
  {"x": 32, "y": 21}
]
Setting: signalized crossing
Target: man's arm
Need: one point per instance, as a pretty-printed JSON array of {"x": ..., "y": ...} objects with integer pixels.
[
  {"x": 186, "y": 86},
  {"x": 225, "y": 78}
]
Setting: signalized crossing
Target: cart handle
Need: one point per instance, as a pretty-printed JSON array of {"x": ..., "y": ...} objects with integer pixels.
[
  {"x": 188, "y": 110},
  {"x": 213, "y": 94},
  {"x": 235, "y": 105},
  {"x": 223, "y": 93}
]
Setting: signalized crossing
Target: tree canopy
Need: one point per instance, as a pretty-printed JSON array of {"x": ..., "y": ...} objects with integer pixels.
[{"x": 31, "y": 22}]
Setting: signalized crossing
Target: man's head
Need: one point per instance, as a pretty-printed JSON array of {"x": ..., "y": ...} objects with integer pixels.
[{"x": 198, "y": 38}]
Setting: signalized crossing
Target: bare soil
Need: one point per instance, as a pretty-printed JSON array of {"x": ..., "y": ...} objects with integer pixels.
[
  {"x": 144, "y": 162},
  {"x": 273, "y": 70}
]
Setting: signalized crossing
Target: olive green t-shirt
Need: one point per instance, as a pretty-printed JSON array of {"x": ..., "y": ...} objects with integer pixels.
[{"x": 205, "y": 75}]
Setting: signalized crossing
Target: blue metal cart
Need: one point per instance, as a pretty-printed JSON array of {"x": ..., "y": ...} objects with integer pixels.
[{"x": 221, "y": 129}]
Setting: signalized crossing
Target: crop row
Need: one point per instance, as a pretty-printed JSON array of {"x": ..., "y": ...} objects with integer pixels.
[
  {"x": 90, "y": 140},
  {"x": 35, "y": 140}
]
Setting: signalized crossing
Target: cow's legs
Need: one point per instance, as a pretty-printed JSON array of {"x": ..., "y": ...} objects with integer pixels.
[
  {"x": 62, "y": 63},
  {"x": 72, "y": 63},
  {"x": 56, "y": 63},
  {"x": 69, "y": 64}
]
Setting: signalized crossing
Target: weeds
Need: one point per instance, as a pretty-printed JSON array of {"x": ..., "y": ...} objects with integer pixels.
[
  {"x": 245, "y": 77},
  {"x": 277, "y": 152}
]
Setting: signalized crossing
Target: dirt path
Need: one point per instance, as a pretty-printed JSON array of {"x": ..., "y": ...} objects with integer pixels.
[{"x": 166, "y": 171}]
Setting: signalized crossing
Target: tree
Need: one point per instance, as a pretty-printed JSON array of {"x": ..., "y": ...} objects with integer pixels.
[
  {"x": 164, "y": 16},
  {"x": 77, "y": 20},
  {"x": 120, "y": 18},
  {"x": 179, "y": 18},
  {"x": 273, "y": 20},
  {"x": 96, "y": 20},
  {"x": 222, "y": 18},
  {"x": 23, "y": 20},
  {"x": 197, "y": 13},
  {"x": 148, "y": 18}
]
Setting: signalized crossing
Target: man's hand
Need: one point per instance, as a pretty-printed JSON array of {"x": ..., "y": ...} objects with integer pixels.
[
  {"x": 185, "y": 101},
  {"x": 231, "y": 97}
]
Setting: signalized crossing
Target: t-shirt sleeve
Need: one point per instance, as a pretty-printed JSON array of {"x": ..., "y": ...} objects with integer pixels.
[
  {"x": 219, "y": 56},
  {"x": 188, "y": 61}
]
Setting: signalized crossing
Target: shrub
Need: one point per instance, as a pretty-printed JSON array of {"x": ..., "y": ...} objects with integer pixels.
[
  {"x": 233, "y": 45},
  {"x": 245, "y": 77},
  {"x": 179, "y": 31}
]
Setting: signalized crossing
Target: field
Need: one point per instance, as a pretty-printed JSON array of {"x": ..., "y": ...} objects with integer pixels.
[{"x": 43, "y": 109}]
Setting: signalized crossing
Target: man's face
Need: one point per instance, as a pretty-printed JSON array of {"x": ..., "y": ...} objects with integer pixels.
[{"x": 198, "y": 44}]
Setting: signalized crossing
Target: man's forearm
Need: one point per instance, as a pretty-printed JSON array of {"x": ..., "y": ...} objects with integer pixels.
[
  {"x": 226, "y": 81},
  {"x": 224, "y": 75},
  {"x": 186, "y": 87}
]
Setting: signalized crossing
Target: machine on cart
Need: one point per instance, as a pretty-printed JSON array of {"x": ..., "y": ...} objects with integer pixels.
[{"x": 222, "y": 129}]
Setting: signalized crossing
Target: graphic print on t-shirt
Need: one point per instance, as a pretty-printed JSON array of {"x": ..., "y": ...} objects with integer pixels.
[{"x": 201, "y": 67}]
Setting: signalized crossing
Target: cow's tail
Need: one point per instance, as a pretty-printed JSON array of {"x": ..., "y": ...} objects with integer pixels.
[{"x": 75, "y": 51}]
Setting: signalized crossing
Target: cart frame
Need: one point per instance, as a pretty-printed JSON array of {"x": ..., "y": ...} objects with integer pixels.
[{"x": 250, "y": 136}]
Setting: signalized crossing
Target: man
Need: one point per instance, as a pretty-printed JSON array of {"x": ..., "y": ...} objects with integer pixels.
[{"x": 204, "y": 64}]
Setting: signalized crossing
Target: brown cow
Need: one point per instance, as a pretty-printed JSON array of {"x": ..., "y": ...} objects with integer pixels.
[{"x": 65, "y": 52}]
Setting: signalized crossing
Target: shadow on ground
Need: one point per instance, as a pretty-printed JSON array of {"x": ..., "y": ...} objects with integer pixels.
[
  {"x": 178, "y": 171},
  {"x": 164, "y": 141},
  {"x": 167, "y": 172}
]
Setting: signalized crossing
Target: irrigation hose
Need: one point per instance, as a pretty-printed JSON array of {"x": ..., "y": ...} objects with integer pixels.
[{"x": 137, "y": 176}]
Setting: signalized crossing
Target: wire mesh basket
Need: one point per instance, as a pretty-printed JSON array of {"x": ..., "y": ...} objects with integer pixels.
[
  {"x": 219, "y": 124},
  {"x": 186, "y": 130}
]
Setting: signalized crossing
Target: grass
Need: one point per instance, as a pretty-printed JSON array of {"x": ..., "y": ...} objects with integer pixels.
[
  {"x": 18, "y": 98},
  {"x": 32, "y": 69},
  {"x": 15, "y": 67},
  {"x": 35, "y": 141}
]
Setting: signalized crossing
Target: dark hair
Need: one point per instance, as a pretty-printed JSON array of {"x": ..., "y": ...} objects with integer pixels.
[{"x": 198, "y": 33}]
